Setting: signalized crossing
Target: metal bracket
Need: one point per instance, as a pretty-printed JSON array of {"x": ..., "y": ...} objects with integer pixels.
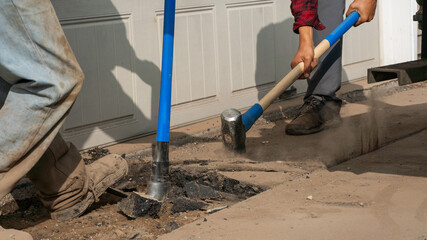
[
  {"x": 424, "y": 31},
  {"x": 406, "y": 73}
]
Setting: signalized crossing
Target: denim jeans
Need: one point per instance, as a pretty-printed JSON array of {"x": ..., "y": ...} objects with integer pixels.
[{"x": 39, "y": 81}]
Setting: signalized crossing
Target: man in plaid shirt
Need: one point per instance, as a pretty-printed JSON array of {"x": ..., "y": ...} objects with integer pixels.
[{"x": 321, "y": 107}]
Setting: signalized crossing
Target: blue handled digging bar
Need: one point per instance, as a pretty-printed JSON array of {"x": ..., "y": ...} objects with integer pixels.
[
  {"x": 234, "y": 125},
  {"x": 160, "y": 181}
]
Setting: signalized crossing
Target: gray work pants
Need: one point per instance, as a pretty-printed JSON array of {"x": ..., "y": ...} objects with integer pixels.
[
  {"x": 39, "y": 81},
  {"x": 325, "y": 80}
]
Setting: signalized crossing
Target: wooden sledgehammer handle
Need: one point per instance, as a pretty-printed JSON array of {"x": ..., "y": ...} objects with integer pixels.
[{"x": 291, "y": 77}]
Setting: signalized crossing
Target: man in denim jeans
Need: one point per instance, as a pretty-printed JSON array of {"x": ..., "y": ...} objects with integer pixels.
[
  {"x": 321, "y": 108},
  {"x": 39, "y": 82}
]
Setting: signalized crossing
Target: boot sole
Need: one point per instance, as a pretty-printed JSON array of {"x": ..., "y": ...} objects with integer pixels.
[
  {"x": 303, "y": 131},
  {"x": 328, "y": 125}
]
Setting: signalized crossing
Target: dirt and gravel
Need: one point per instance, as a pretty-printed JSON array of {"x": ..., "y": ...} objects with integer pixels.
[{"x": 195, "y": 193}]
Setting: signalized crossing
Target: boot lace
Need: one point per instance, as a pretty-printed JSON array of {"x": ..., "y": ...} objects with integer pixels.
[{"x": 313, "y": 104}]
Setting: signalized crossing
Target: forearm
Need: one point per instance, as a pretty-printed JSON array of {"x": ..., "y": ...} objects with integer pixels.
[{"x": 305, "y": 36}]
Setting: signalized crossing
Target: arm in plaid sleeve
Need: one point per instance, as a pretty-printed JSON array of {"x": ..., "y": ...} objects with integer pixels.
[{"x": 305, "y": 13}]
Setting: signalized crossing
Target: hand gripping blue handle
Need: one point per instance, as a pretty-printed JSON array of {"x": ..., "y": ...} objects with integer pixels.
[
  {"x": 250, "y": 116},
  {"x": 343, "y": 28},
  {"x": 166, "y": 79}
]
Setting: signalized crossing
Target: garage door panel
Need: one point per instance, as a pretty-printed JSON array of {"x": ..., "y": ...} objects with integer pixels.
[
  {"x": 196, "y": 57},
  {"x": 265, "y": 47},
  {"x": 124, "y": 90},
  {"x": 104, "y": 51},
  {"x": 235, "y": 51},
  {"x": 86, "y": 45},
  {"x": 210, "y": 60},
  {"x": 247, "y": 45},
  {"x": 195, "y": 65},
  {"x": 181, "y": 61},
  {"x": 251, "y": 48}
]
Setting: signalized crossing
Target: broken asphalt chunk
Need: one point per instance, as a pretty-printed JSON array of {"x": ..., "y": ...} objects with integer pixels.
[
  {"x": 195, "y": 190},
  {"x": 186, "y": 204},
  {"x": 171, "y": 226},
  {"x": 139, "y": 205}
]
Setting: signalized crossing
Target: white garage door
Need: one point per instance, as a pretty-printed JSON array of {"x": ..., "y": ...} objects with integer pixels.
[{"x": 228, "y": 53}]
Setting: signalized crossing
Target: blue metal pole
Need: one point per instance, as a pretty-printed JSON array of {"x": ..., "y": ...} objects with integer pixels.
[
  {"x": 167, "y": 66},
  {"x": 160, "y": 181}
]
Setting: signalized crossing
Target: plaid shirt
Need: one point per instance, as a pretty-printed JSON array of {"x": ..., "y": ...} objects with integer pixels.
[{"x": 305, "y": 13}]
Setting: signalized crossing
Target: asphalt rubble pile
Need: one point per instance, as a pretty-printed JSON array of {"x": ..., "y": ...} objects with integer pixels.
[{"x": 194, "y": 188}]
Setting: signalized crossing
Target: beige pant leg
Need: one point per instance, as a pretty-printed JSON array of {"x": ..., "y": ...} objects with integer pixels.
[{"x": 19, "y": 170}]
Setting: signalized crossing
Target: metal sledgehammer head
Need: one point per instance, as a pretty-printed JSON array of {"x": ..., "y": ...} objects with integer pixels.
[
  {"x": 233, "y": 131},
  {"x": 140, "y": 204}
]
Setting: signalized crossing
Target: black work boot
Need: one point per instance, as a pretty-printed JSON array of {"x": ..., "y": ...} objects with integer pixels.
[{"x": 316, "y": 114}]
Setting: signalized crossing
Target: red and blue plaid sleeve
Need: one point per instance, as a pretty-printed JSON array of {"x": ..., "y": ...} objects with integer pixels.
[{"x": 305, "y": 13}]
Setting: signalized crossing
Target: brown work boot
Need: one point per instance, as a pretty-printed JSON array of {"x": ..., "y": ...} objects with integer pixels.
[
  {"x": 315, "y": 115},
  {"x": 66, "y": 186},
  {"x": 12, "y": 234},
  {"x": 101, "y": 175}
]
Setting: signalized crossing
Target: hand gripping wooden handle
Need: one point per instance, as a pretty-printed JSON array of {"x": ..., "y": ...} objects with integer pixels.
[{"x": 291, "y": 77}]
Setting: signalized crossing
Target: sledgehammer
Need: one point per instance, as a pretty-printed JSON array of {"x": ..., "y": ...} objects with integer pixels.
[{"x": 234, "y": 125}]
